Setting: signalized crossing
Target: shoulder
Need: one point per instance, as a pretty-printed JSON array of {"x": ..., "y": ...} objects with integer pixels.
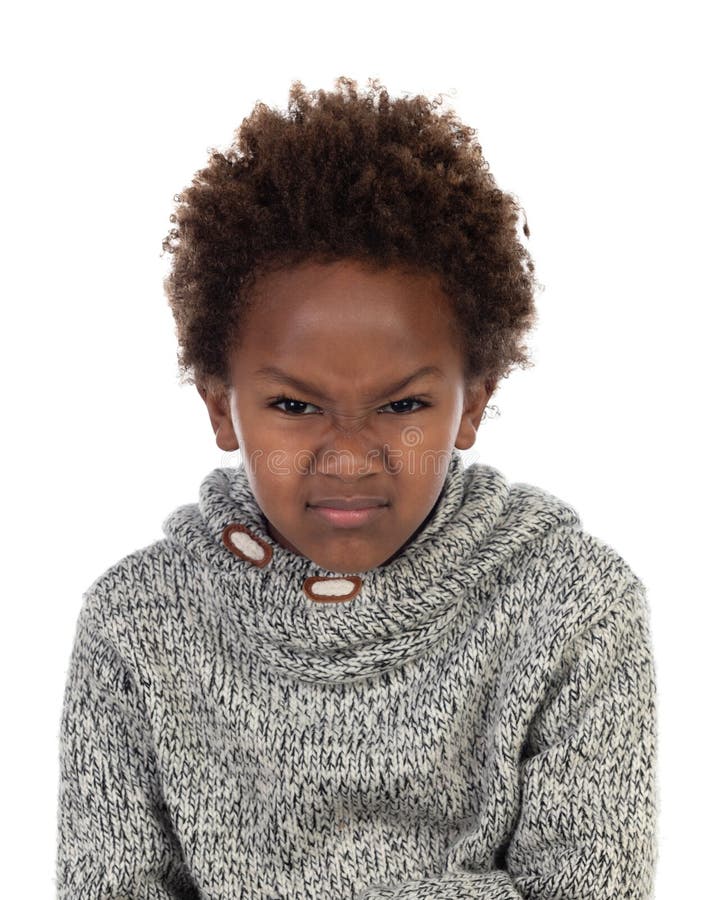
[
  {"x": 555, "y": 530},
  {"x": 560, "y": 572},
  {"x": 136, "y": 599}
]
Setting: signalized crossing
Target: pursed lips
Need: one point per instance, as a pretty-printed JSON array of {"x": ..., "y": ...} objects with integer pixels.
[
  {"x": 348, "y": 512},
  {"x": 350, "y": 502}
]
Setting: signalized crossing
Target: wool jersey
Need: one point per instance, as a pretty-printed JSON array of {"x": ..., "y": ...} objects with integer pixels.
[{"x": 474, "y": 719}]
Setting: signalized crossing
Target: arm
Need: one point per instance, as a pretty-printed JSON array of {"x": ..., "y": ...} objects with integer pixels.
[
  {"x": 588, "y": 816},
  {"x": 114, "y": 836}
]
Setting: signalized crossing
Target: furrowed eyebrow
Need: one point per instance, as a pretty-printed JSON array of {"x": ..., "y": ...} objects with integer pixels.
[{"x": 274, "y": 373}]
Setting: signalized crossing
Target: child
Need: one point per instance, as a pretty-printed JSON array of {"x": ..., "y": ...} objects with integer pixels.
[{"x": 356, "y": 668}]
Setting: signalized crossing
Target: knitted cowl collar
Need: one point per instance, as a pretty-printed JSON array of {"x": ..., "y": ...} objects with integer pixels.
[{"x": 400, "y": 609}]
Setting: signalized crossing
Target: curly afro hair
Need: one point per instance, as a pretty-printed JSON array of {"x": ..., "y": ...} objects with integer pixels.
[{"x": 344, "y": 174}]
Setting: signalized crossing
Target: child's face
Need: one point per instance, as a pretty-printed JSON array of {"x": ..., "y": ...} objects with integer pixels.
[{"x": 348, "y": 335}]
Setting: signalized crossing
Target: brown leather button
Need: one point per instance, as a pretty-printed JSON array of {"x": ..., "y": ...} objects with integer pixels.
[
  {"x": 248, "y": 546},
  {"x": 332, "y": 589}
]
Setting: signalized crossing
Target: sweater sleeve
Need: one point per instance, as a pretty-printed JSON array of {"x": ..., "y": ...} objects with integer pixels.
[
  {"x": 114, "y": 836},
  {"x": 587, "y": 825}
]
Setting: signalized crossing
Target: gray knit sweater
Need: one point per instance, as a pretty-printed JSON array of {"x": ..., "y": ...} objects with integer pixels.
[{"x": 476, "y": 719}]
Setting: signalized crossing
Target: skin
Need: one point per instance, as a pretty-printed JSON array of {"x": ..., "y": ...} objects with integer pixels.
[{"x": 350, "y": 332}]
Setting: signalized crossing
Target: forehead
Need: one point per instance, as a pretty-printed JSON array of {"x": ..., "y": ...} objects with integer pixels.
[{"x": 346, "y": 315}]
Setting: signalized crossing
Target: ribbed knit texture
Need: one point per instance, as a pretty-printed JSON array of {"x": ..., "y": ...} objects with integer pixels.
[{"x": 478, "y": 722}]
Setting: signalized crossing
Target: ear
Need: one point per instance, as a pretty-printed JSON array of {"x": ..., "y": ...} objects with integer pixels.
[
  {"x": 477, "y": 394},
  {"x": 217, "y": 400}
]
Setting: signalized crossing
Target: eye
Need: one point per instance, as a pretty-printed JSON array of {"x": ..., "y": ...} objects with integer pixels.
[
  {"x": 399, "y": 404},
  {"x": 294, "y": 407}
]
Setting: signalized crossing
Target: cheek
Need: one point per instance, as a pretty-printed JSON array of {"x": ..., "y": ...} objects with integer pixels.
[{"x": 277, "y": 481}]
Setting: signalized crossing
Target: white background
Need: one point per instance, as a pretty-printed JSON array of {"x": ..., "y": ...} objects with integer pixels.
[{"x": 596, "y": 115}]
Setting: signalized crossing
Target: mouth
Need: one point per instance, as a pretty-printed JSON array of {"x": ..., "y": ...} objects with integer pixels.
[{"x": 352, "y": 513}]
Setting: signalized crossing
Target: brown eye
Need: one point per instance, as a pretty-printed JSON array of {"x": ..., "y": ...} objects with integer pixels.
[
  {"x": 293, "y": 407},
  {"x": 398, "y": 405}
]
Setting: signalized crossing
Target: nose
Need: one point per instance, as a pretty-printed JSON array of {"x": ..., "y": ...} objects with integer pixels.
[
  {"x": 350, "y": 450},
  {"x": 348, "y": 423}
]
